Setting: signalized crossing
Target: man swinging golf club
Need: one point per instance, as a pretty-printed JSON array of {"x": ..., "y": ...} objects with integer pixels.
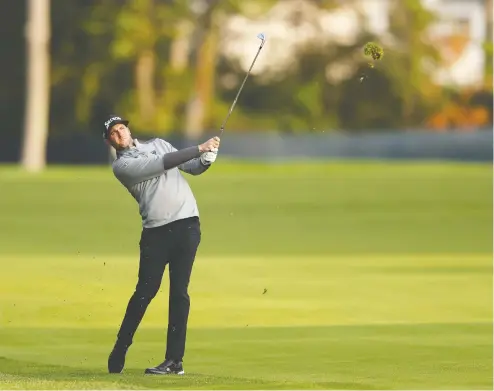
[{"x": 152, "y": 173}]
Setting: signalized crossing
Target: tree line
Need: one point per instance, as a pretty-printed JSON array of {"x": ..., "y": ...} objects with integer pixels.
[{"x": 161, "y": 63}]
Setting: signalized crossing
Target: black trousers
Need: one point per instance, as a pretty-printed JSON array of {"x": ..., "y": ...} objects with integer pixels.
[{"x": 175, "y": 245}]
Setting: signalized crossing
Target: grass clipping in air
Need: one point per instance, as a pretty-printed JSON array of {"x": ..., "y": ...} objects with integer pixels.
[{"x": 373, "y": 50}]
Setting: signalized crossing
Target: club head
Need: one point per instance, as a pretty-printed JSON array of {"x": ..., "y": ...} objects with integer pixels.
[{"x": 262, "y": 37}]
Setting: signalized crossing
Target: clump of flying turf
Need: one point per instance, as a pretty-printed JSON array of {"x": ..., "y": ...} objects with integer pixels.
[{"x": 373, "y": 50}]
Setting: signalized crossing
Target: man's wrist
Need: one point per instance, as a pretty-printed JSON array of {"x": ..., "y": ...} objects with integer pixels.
[{"x": 203, "y": 163}]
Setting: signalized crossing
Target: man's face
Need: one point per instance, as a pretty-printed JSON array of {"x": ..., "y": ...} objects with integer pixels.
[{"x": 119, "y": 136}]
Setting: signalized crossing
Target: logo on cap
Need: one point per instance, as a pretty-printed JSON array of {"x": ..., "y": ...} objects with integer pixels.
[{"x": 107, "y": 123}]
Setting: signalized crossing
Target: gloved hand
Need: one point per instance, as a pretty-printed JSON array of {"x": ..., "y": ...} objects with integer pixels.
[{"x": 209, "y": 157}]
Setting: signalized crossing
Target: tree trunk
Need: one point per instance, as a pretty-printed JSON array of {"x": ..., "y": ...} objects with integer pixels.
[
  {"x": 488, "y": 14},
  {"x": 145, "y": 70},
  {"x": 488, "y": 38},
  {"x": 205, "y": 64},
  {"x": 180, "y": 46},
  {"x": 408, "y": 105},
  {"x": 36, "y": 120},
  {"x": 199, "y": 103}
]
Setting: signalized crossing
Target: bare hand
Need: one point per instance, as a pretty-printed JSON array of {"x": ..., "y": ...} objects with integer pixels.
[{"x": 211, "y": 145}]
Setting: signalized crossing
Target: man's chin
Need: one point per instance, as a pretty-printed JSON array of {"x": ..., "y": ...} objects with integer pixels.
[{"x": 124, "y": 145}]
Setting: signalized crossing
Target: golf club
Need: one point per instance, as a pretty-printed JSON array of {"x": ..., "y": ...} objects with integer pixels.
[{"x": 262, "y": 37}]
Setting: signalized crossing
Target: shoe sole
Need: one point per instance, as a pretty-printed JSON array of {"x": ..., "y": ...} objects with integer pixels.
[{"x": 155, "y": 372}]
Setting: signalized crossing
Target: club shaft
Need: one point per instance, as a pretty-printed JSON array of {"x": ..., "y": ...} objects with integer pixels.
[{"x": 240, "y": 90}]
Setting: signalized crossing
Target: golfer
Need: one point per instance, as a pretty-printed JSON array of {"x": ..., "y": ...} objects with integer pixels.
[{"x": 152, "y": 173}]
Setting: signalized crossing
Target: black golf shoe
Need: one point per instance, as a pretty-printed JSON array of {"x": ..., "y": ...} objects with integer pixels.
[
  {"x": 167, "y": 367},
  {"x": 116, "y": 360}
]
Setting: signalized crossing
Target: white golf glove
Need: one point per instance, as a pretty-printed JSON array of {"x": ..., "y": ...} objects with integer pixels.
[{"x": 209, "y": 157}]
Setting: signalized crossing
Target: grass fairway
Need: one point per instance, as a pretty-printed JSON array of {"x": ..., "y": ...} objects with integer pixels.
[{"x": 377, "y": 276}]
